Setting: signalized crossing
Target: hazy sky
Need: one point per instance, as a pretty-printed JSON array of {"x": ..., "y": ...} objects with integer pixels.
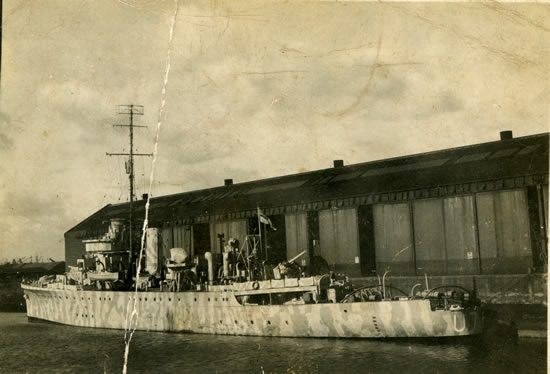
[{"x": 256, "y": 89}]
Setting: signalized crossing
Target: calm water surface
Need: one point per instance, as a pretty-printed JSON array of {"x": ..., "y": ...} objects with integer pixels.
[{"x": 47, "y": 348}]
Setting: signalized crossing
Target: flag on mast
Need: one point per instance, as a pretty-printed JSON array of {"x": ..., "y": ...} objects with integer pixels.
[{"x": 265, "y": 219}]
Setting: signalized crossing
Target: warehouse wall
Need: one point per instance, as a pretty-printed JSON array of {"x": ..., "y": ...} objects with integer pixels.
[
  {"x": 74, "y": 247},
  {"x": 175, "y": 236},
  {"x": 297, "y": 238},
  {"x": 393, "y": 238},
  {"x": 497, "y": 232},
  {"x": 482, "y": 233},
  {"x": 339, "y": 239},
  {"x": 237, "y": 229},
  {"x": 504, "y": 232}
]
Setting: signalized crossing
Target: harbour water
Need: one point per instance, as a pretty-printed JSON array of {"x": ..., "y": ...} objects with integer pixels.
[{"x": 48, "y": 348}]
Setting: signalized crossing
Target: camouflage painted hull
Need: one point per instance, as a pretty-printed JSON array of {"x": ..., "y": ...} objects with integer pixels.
[{"x": 220, "y": 313}]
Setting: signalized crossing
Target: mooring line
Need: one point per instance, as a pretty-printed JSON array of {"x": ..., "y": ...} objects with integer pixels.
[{"x": 131, "y": 325}]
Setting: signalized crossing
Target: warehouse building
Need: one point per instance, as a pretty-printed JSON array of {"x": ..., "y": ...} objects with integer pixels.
[{"x": 478, "y": 210}]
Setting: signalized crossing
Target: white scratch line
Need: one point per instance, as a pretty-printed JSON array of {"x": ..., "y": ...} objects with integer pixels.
[
  {"x": 133, "y": 323},
  {"x": 126, "y": 3},
  {"x": 401, "y": 251}
]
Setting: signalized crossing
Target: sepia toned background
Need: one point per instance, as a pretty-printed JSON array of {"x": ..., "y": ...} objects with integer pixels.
[{"x": 256, "y": 89}]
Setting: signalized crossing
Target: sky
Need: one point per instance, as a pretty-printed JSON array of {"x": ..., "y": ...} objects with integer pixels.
[{"x": 256, "y": 89}]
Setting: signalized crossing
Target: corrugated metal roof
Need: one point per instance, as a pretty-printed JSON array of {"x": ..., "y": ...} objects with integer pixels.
[
  {"x": 473, "y": 157},
  {"x": 275, "y": 187},
  {"x": 405, "y": 167},
  {"x": 518, "y": 157},
  {"x": 504, "y": 153}
]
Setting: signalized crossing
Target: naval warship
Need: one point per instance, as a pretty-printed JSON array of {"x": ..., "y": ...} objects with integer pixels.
[
  {"x": 114, "y": 286},
  {"x": 245, "y": 296}
]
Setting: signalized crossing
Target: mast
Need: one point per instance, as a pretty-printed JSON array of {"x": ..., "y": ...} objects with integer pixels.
[
  {"x": 131, "y": 110},
  {"x": 260, "y": 229}
]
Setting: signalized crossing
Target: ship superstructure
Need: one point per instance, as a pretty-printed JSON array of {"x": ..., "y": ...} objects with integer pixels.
[{"x": 243, "y": 296}]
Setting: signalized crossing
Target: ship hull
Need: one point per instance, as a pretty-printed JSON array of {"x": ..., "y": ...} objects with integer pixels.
[{"x": 220, "y": 313}]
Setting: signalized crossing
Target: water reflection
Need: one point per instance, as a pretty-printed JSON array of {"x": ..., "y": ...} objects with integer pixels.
[{"x": 46, "y": 348}]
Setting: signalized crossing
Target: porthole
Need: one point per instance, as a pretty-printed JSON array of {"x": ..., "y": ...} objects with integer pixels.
[
  {"x": 221, "y": 321},
  {"x": 169, "y": 299},
  {"x": 195, "y": 299},
  {"x": 180, "y": 300},
  {"x": 145, "y": 299},
  {"x": 286, "y": 322},
  {"x": 269, "y": 322},
  {"x": 251, "y": 322},
  {"x": 236, "y": 322},
  {"x": 345, "y": 310},
  {"x": 154, "y": 299},
  {"x": 208, "y": 299}
]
